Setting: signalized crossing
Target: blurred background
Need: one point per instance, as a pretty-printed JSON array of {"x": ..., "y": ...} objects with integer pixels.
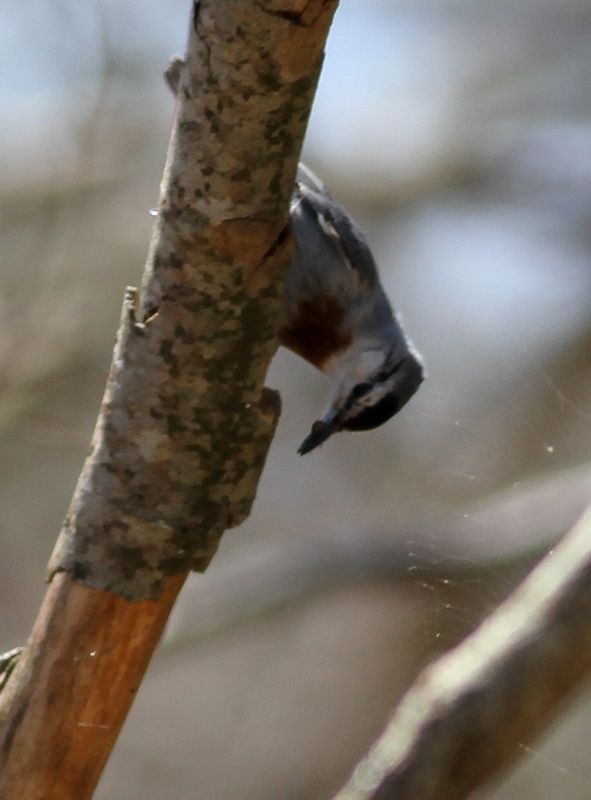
[{"x": 459, "y": 134}]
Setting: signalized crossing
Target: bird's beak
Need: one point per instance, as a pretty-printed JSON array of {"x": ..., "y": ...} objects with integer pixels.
[{"x": 322, "y": 429}]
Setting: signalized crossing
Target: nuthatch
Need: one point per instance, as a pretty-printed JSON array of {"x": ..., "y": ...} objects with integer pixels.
[{"x": 338, "y": 318}]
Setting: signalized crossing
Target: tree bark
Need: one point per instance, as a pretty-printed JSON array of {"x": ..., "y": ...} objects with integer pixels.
[
  {"x": 186, "y": 422},
  {"x": 467, "y": 715},
  {"x": 185, "y": 428}
]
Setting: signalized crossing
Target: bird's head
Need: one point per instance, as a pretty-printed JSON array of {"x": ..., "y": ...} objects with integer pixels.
[{"x": 372, "y": 386}]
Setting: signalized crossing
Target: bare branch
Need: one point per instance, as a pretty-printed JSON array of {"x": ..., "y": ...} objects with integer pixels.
[
  {"x": 465, "y": 716},
  {"x": 186, "y": 421},
  {"x": 71, "y": 688},
  {"x": 182, "y": 439}
]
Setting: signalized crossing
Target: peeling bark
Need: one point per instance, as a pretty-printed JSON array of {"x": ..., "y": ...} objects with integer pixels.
[{"x": 186, "y": 423}]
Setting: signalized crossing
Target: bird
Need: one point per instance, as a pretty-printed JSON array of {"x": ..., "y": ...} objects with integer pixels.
[{"x": 337, "y": 317}]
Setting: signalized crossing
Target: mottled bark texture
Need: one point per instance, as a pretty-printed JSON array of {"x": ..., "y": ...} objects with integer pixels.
[
  {"x": 186, "y": 423},
  {"x": 467, "y": 715}
]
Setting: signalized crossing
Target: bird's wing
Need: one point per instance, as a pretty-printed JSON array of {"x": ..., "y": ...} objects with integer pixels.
[{"x": 336, "y": 224}]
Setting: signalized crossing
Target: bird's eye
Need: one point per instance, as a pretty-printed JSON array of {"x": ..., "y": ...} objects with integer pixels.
[{"x": 360, "y": 389}]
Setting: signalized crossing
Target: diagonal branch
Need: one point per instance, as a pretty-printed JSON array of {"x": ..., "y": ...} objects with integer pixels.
[
  {"x": 185, "y": 426},
  {"x": 464, "y": 718},
  {"x": 185, "y": 423}
]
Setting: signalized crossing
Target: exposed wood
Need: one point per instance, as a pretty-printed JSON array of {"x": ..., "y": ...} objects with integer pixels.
[
  {"x": 186, "y": 421},
  {"x": 467, "y": 715},
  {"x": 72, "y": 688}
]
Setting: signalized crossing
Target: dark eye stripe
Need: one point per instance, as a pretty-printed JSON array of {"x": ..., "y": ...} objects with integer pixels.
[
  {"x": 374, "y": 416},
  {"x": 387, "y": 373},
  {"x": 360, "y": 389},
  {"x": 356, "y": 392}
]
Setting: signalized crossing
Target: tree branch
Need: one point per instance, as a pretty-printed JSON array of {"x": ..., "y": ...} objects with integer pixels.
[
  {"x": 185, "y": 428},
  {"x": 186, "y": 422},
  {"x": 71, "y": 689},
  {"x": 465, "y": 716}
]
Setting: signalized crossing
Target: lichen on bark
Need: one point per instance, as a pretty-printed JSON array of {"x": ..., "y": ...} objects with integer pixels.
[{"x": 186, "y": 422}]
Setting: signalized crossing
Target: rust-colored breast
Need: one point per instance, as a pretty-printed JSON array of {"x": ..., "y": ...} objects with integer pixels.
[{"x": 316, "y": 331}]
